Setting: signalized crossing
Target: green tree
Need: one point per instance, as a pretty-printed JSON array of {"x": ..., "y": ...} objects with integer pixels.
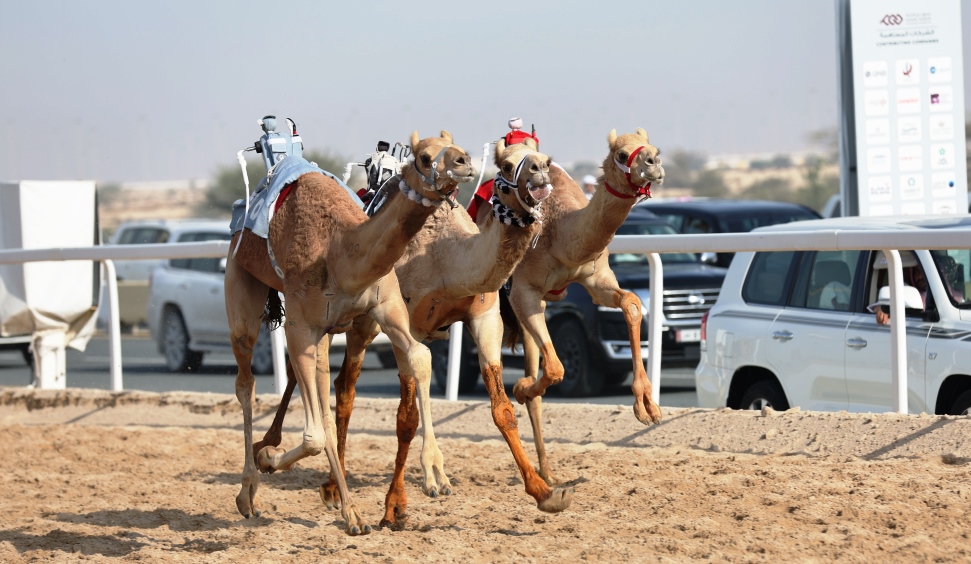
[
  {"x": 819, "y": 187},
  {"x": 709, "y": 183},
  {"x": 779, "y": 189},
  {"x": 228, "y": 186}
]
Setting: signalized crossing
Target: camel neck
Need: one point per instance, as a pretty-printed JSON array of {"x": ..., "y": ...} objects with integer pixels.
[{"x": 595, "y": 225}]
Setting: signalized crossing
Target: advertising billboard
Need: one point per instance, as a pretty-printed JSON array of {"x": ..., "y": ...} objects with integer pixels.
[{"x": 903, "y": 109}]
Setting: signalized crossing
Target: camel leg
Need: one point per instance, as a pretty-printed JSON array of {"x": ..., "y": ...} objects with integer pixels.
[
  {"x": 274, "y": 435},
  {"x": 535, "y": 407},
  {"x": 245, "y": 296},
  {"x": 486, "y": 329},
  {"x": 414, "y": 361},
  {"x": 530, "y": 309},
  {"x": 604, "y": 290},
  {"x": 305, "y": 343},
  {"x": 406, "y": 425},
  {"x": 358, "y": 338}
]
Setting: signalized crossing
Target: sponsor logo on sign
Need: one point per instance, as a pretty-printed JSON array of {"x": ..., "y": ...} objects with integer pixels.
[{"x": 892, "y": 19}]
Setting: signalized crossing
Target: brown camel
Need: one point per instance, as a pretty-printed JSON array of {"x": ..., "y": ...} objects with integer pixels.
[
  {"x": 573, "y": 249},
  {"x": 336, "y": 265},
  {"x": 451, "y": 272}
]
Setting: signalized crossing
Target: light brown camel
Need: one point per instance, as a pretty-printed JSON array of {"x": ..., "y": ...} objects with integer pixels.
[
  {"x": 337, "y": 265},
  {"x": 451, "y": 272},
  {"x": 573, "y": 249}
]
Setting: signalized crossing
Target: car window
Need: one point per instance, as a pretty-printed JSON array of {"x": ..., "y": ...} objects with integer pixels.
[
  {"x": 954, "y": 267},
  {"x": 143, "y": 236},
  {"x": 644, "y": 228},
  {"x": 766, "y": 280},
  {"x": 209, "y": 264},
  {"x": 674, "y": 218},
  {"x": 826, "y": 280},
  {"x": 746, "y": 223},
  {"x": 694, "y": 224}
]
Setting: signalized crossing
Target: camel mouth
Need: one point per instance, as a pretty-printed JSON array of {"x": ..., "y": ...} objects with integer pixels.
[
  {"x": 460, "y": 179},
  {"x": 538, "y": 193}
]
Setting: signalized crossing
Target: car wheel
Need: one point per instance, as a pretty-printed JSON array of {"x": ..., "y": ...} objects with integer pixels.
[
  {"x": 765, "y": 393},
  {"x": 263, "y": 353},
  {"x": 962, "y": 405},
  {"x": 570, "y": 344},
  {"x": 175, "y": 339},
  {"x": 469, "y": 367},
  {"x": 616, "y": 377},
  {"x": 387, "y": 359}
]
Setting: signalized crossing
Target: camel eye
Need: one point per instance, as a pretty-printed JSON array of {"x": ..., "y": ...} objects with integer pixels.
[
  {"x": 426, "y": 160},
  {"x": 507, "y": 168},
  {"x": 622, "y": 156}
]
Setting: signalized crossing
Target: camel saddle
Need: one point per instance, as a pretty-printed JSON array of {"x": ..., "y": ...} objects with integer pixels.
[{"x": 272, "y": 191}]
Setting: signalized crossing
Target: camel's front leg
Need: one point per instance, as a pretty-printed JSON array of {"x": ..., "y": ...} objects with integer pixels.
[
  {"x": 358, "y": 338},
  {"x": 530, "y": 309},
  {"x": 305, "y": 343},
  {"x": 414, "y": 361},
  {"x": 486, "y": 329},
  {"x": 604, "y": 290}
]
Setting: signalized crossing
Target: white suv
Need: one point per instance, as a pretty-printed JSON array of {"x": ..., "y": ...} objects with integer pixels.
[
  {"x": 187, "y": 308},
  {"x": 794, "y": 328}
]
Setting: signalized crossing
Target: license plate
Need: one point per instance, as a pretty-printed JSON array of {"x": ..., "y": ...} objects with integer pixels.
[{"x": 687, "y": 335}]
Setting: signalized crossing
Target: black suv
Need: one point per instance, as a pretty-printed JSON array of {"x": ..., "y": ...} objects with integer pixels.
[
  {"x": 592, "y": 341},
  {"x": 715, "y": 215}
]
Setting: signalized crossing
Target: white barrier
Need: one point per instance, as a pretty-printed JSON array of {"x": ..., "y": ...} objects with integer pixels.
[{"x": 826, "y": 240}]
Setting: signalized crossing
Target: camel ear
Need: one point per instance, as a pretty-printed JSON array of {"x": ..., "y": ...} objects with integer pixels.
[
  {"x": 643, "y": 134},
  {"x": 612, "y": 137},
  {"x": 531, "y": 143},
  {"x": 446, "y": 136},
  {"x": 414, "y": 141},
  {"x": 500, "y": 146}
]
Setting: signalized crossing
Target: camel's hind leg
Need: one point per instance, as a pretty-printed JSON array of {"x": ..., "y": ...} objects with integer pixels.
[
  {"x": 245, "y": 298},
  {"x": 486, "y": 329},
  {"x": 359, "y": 337},
  {"x": 274, "y": 435},
  {"x": 306, "y": 344},
  {"x": 535, "y": 407},
  {"x": 605, "y": 291}
]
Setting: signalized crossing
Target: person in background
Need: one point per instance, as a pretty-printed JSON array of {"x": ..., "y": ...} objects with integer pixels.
[
  {"x": 589, "y": 185},
  {"x": 913, "y": 276}
]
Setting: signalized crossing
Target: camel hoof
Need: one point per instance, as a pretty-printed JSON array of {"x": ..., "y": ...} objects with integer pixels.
[
  {"x": 521, "y": 390},
  {"x": 433, "y": 492},
  {"x": 265, "y": 457},
  {"x": 559, "y": 499},
  {"x": 446, "y": 490},
  {"x": 330, "y": 496},
  {"x": 355, "y": 530},
  {"x": 649, "y": 414}
]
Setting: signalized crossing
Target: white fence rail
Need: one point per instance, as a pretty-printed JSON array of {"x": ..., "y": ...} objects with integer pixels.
[{"x": 889, "y": 241}]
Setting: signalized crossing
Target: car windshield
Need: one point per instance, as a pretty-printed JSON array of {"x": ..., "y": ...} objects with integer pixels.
[
  {"x": 746, "y": 223},
  {"x": 645, "y": 228},
  {"x": 955, "y": 269}
]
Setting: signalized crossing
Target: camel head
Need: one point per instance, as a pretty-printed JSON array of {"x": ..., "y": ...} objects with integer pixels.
[
  {"x": 524, "y": 175},
  {"x": 438, "y": 166},
  {"x": 632, "y": 165}
]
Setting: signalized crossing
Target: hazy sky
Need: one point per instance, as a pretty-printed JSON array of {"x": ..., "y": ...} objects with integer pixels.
[{"x": 132, "y": 90}]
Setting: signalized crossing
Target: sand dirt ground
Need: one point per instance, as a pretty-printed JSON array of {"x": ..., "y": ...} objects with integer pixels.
[{"x": 99, "y": 476}]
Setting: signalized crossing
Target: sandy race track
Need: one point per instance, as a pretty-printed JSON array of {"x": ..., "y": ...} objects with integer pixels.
[{"x": 98, "y": 476}]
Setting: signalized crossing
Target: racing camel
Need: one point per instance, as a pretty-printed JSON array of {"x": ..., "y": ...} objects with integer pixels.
[
  {"x": 451, "y": 272},
  {"x": 573, "y": 249},
  {"x": 334, "y": 265}
]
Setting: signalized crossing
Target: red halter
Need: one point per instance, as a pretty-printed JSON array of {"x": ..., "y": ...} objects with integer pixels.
[{"x": 639, "y": 191}]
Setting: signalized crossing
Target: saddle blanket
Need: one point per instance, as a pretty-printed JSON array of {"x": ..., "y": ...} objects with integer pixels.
[{"x": 265, "y": 197}]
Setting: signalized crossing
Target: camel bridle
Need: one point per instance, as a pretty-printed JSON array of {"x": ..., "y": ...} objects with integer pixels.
[
  {"x": 640, "y": 192},
  {"x": 505, "y": 185},
  {"x": 432, "y": 178}
]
